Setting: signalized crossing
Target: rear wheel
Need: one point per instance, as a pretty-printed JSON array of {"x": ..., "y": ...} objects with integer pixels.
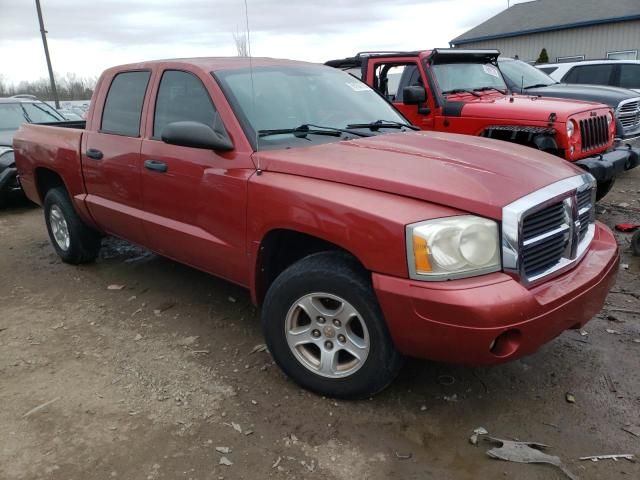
[
  {"x": 324, "y": 327},
  {"x": 73, "y": 240}
]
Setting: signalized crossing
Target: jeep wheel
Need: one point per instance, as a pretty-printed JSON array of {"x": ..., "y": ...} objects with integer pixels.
[
  {"x": 73, "y": 241},
  {"x": 603, "y": 188},
  {"x": 635, "y": 244},
  {"x": 324, "y": 327}
]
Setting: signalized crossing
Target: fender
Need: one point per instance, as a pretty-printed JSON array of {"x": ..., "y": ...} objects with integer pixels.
[{"x": 367, "y": 223}]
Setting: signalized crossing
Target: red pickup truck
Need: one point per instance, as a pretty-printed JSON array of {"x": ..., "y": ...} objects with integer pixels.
[
  {"x": 463, "y": 91},
  {"x": 363, "y": 241}
]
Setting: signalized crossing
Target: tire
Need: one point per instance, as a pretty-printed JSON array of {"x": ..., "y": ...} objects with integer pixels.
[
  {"x": 635, "y": 244},
  {"x": 72, "y": 239},
  {"x": 329, "y": 283},
  {"x": 603, "y": 188}
]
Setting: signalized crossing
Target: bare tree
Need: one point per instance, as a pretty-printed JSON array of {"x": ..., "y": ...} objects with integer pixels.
[
  {"x": 242, "y": 44},
  {"x": 70, "y": 87}
]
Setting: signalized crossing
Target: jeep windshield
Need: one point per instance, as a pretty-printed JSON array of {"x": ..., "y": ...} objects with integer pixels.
[
  {"x": 523, "y": 75},
  {"x": 462, "y": 77},
  {"x": 276, "y": 103}
]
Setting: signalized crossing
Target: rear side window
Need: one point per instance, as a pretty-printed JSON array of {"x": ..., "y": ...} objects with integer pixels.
[
  {"x": 630, "y": 75},
  {"x": 123, "y": 107},
  {"x": 183, "y": 97},
  {"x": 592, "y": 74}
]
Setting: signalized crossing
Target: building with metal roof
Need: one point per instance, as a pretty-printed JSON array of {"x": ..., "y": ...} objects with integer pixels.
[{"x": 569, "y": 30}]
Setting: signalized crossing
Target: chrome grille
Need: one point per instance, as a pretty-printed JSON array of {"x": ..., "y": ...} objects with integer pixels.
[
  {"x": 545, "y": 236},
  {"x": 594, "y": 132},
  {"x": 549, "y": 230},
  {"x": 628, "y": 112}
]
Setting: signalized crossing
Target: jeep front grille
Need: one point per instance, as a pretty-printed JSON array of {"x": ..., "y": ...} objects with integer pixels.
[
  {"x": 594, "y": 132},
  {"x": 549, "y": 230}
]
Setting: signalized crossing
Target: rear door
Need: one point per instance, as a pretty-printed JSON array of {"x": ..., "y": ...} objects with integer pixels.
[
  {"x": 111, "y": 157},
  {"x": 194, "y": 199}
]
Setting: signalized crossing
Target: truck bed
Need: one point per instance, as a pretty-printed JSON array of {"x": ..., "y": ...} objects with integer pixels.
[{"x": 54, "y": 147}]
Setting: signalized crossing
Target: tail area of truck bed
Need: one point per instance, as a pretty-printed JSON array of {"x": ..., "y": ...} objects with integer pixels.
[{"x": 46, "y": 154}]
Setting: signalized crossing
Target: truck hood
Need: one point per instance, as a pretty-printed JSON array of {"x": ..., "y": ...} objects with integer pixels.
[
  {"x": 524, "y": 107},
  {"x": 472, "y": 174},
  {"x": 611, "y": 96}
]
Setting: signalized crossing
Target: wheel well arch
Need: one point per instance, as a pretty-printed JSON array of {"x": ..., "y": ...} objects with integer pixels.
[
  {"x": 281, "y": 248},
  {"x": 47, "y": 179}
]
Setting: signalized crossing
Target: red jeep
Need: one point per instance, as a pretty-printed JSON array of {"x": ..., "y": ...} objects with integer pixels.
[{"x": 463, "y": 91}]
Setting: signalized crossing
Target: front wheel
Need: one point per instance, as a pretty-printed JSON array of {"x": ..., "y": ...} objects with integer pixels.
[{"x": 324, "y": 327}]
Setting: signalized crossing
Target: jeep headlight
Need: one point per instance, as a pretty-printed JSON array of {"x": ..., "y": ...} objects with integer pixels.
[
  {"x": 609, "y": 118},
  {"x": 571, "y": 128},
  {"x": 453, "y": 247}
]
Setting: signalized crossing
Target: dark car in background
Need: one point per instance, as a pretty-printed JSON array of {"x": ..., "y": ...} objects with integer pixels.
[
  {"x": 529, "y": 80},
  {"x": 615, "y": 73},
  {"x": 14, "y": 111}
]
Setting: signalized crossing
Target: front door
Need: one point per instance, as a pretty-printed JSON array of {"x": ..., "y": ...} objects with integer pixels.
[
  {"x": 111, "y": 158},
  {"x": 390, "y": 77},
  {"x": 194, "y": 199}
]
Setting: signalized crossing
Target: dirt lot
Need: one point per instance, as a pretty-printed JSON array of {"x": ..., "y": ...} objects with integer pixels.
[{"x": 144, "y": 382}]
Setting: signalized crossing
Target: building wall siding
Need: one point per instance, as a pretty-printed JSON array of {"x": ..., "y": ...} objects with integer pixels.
[{"x": 593, "y": 42}]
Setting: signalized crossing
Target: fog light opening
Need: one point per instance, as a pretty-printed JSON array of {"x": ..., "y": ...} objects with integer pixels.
[{"x": 506, "y": 344}]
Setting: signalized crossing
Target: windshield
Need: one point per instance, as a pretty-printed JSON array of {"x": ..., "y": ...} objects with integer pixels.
[
  {"x": 286, "y": 97},
  {"x": 12, "y": 115},
  {"x": 521, "y": 74},
  {"x": 467, "y": 76}
]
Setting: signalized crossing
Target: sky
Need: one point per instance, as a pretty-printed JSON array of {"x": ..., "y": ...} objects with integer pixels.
[{"x": 85, "y": 37}]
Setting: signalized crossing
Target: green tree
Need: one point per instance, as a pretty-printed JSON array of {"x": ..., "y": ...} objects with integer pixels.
[{"x": 544, "y": 56}]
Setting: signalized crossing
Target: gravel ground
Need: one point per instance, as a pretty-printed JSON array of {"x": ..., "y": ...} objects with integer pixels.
[{"x": 157, "y": 378}]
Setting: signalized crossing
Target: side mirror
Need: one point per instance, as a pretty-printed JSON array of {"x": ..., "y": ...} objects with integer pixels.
[
  {"x": 196, "y": 135},
  {"x": 414, "y": 95}
]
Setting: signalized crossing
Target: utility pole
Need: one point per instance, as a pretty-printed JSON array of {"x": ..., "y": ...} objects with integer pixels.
[{"x": 43, "y": 32}]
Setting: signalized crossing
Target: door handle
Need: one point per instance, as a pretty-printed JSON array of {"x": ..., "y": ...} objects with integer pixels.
[
  {"x": 156, "y": 166},
  {"x": 95, "y": 154}
]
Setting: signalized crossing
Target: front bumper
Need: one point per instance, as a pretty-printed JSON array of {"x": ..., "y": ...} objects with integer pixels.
[
  {"x": 494, "y": 318},
  {"x": 609, "y": 165}
]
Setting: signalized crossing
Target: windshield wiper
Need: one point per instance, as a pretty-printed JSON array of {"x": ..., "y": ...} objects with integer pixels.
[
  {"x": 461, "y": 90},
  {"x": 25, "y": 114},
  {"x": 306, "y": 129},
  {"x": 484, "y": 89},
  {"x": 538, "y": 85},
  {"x": 57, "y": 119},
  {"x": 378, "y": 124}
]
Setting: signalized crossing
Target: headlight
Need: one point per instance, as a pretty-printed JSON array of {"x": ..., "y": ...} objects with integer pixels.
[
  {"x": 609, "y": 118},
  {"x": 453, "y": 247},
  {"x": 571, "y": 128}
]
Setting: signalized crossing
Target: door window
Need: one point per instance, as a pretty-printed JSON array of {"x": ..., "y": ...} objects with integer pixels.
[
  {"x": 630, "y": 75},
  {"x": 123, "y": 107},
  {"x": 390, "y": 79},
  {"x": 183, "y": 97},
  {"x": 548, "y": 70},
  {"x": 592, "y": 74}
]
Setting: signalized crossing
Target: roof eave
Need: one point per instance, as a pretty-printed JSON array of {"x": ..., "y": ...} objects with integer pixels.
[{"x": 459, "y": 41}]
